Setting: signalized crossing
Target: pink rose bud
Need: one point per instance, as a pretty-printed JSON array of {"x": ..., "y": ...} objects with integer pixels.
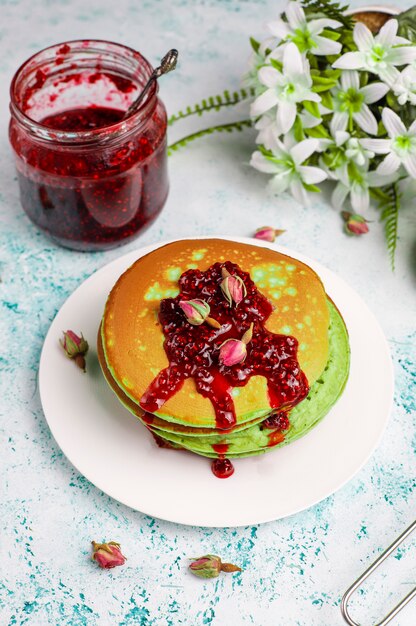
[
  {"x": 197, "y": 312},
  {"x": 234, "y": 351},
  {"x": 354, "y": 224},
  {"x": 233, "y": 288},
  {"x": 210, "y": 566},
  {"x": 108, "y": 554},
  {"x": 75, "y": 347},
  {"x": 267, "y": 233}
]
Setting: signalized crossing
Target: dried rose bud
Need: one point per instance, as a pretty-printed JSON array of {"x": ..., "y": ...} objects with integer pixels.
[
  {"x": 196, "y": 311},
  {"x": 354, "y": 224},
  {"x": 234, "y": 351},
  {"x": 75, "y": 347},
  {"x": 267, "y": 233},
  {"x": 233, "y": 288},
  {"x": 210, "y": 566},
  {"x": 108, "y": 554}
]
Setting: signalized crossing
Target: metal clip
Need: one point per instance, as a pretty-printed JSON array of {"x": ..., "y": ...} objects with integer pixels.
[{"x": 347, "y": 595}]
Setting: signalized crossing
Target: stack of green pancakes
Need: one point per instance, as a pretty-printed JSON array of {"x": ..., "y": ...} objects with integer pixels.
[{"x": 154, "y": 359}]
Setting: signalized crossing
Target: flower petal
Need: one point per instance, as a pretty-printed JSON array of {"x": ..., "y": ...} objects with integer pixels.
[
  {"x": 389, "y": 165},
  {"x": 312, "y": 97},
  {"x": 401, "y": 41},
  {"x": 269, "y": 76},
  {"x": 325, "y": 46},
  {"x": 298, "y": 192},
  {"x": 402, "y": 56},
  {"x": 295, "y": 15},
  {"x": 263, "y": 103},
  {"x": 350, "y": 79},
  {"x": 379, "y": 146},
  {"x": 316, "y": 27},
  {"x": 366, "y": 120},
  {"x": 391, "y": 76},
  {"x": 286, "y": 115},
  {"x": 392, "y": 123},
  {"x": 339, "y": 121},
  {"x": 311, "y": 175},
  {"x": 279, "y": 28},
  {"x": 363, "y": 37},
  {"x": 409, "y": 163},
  {"x": 376, "y": 180},
  {"x": 259, "y": 162},
  {"x": 303, "y": 150},
  {"x": 339, "y": 195},
  {"x": 360, "y": 198},
  {"x": 387, "y": 32},
  {"x": 280, "y": 182},
  {"x": 292, "y": 60},
  {"x": 350, "y": 61},
  {"x": 308, "y": 120},
  {"x": 412, "y": 128},
  {"x": 341, "y": 136},
  {"x": 374, "y": 92}
]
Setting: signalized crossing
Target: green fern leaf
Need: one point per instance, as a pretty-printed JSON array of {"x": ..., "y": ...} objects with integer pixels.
[
  {"x": 229, "y": 128},
  {"x": 213, "y": 103},
  {"x": 328, "y": 8},
  {"x": 390, "y": 206}
]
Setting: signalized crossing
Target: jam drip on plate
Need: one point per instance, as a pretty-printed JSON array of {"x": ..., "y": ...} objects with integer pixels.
[{"x": 193, "y": 351}]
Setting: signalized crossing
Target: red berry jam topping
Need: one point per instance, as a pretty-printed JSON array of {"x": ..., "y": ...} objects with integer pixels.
[
  {"x": 275, "y": 437},
  {"x": 193, "y": 350},
  {"x": 222, "y": 468},
  {"x": 278, "y": 420},
  {"x": 220, "y": 448}
]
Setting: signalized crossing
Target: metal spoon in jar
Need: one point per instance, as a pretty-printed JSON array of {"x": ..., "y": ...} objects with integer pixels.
[{"x": 167, "y": 64}]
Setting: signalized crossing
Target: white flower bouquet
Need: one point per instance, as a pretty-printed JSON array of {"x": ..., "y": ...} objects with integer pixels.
[{"x": 331, "y": 100}]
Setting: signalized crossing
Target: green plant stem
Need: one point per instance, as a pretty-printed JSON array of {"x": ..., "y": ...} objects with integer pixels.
[{"x": 230, "y": 127}]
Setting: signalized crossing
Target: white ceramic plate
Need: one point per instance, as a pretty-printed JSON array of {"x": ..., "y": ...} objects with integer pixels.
[{"x": 116, "y": 453}]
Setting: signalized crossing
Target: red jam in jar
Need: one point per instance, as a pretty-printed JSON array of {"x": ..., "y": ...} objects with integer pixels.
[{"x": 88, "y": 179}]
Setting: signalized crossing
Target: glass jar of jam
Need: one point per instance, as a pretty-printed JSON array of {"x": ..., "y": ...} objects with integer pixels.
[{"x": 88, "y": 178}]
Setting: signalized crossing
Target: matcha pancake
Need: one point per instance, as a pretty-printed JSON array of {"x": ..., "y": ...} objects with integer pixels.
[{"x": 168, "y": 364}]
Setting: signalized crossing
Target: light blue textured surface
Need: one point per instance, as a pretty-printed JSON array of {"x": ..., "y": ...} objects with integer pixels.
[{"x": 295, "y": 570}]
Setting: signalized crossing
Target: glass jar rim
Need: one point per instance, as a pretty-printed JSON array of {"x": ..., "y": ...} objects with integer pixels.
[{"x": 106, "y": 133}]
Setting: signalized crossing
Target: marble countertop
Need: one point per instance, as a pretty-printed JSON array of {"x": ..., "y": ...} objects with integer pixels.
[{"x": 295, "y": 569}]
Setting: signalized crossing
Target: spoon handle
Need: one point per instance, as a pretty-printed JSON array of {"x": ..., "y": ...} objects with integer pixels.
[{"x": 167, "y": 64}]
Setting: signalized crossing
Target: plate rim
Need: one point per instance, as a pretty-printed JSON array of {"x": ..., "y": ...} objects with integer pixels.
[{"x": 137, "y": 253}]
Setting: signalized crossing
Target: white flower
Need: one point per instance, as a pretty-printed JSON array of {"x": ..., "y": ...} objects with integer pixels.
[
  {"x": 341, "y": 149},
  {"x": 400, "y": 148},
  {"x": 403, "y": 84},
  {"x": 285, "y": 163},
  {"x": 357, "y": 153},
  {"x": 286, "y": 88},
  {"x": 356, "y": 182},
  {"x": 351, "y": 100},
  {"x": 306, "y": 35},
  {"x": 377, "y": 54}
]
